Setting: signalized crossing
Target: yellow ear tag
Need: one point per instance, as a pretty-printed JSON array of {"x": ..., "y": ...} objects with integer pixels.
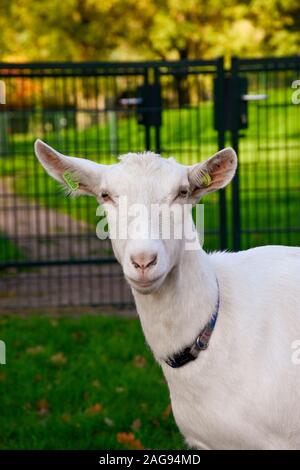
[
  {"x": 68, "y": 178},
  {"x": 206, "y": 179}
]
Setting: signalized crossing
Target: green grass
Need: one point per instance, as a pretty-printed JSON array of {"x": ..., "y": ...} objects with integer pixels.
[{"x": 76, "y": 383}]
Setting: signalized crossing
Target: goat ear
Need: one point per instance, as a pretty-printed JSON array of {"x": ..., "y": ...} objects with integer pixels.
[
  {"x": 78, "y": 175},
  {"x": 214, "y": 173}
]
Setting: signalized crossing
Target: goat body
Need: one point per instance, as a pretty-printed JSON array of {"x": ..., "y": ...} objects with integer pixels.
[{"x": 243, "y": 392}]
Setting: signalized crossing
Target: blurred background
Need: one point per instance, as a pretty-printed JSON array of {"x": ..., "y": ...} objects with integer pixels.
[{"x": 98, "y": 79}]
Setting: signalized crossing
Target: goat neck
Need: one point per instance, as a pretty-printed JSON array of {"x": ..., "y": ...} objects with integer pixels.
[{"x": 173, "y": 316}]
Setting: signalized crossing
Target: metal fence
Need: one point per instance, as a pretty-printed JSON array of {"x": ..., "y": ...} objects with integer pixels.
[
  {"x": 49, "y": 253},
  {"x": 267, "y": 190}
]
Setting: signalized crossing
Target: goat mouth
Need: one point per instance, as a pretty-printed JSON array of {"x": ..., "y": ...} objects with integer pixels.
[{"x": 143, "y": 284}]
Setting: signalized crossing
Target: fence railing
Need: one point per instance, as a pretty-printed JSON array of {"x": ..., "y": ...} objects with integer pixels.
[{"x": 49, "y": 253}]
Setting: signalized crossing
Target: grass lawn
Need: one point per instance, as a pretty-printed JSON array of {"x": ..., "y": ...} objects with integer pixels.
[{"x": 82, "y": 383}]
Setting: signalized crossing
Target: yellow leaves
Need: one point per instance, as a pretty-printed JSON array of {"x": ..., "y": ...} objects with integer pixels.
[
  {"x": 167, "y": 411},
  {"x": 94, "y": 410},
  {"x": 2, "y": 376},
  {"x": 58, "y": 359},
  {"x": 66, "y": 418},
  {"x": 128, "y": 439},
  {"x": 42, "y": 407},
  {"x": 139, "y": 362},
  {"x": 34, "y": 350}
]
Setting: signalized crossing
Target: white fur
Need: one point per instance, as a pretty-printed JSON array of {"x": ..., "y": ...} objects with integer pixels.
[{"x": 243, "y": 392}]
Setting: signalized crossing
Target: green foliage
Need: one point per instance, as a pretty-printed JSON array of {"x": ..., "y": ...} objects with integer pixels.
[{"x": 136, "y": 29}]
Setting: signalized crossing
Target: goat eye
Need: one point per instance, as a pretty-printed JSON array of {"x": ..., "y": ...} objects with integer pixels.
[{"x": 183, "y": 193}]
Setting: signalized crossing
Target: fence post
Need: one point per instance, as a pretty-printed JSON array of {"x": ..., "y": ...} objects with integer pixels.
[
  {"x": 157, "y": 126},
  {"x": 146, "y": 126},
  {"x": 236, "y": 209},
  {"x": 221, "y": 145}
]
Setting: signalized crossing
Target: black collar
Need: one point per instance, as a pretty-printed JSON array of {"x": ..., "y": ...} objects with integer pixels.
[{"x": 191, "y": 352}]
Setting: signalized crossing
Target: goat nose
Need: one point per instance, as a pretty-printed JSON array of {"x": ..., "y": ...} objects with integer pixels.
[{"x": 144, "y": 261}]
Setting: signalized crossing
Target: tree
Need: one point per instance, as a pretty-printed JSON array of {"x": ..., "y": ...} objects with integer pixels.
[
  {"x": 66, "y": 30},
  {"x": 147, "y": 29},
  {"x": 280, "y": 21}
]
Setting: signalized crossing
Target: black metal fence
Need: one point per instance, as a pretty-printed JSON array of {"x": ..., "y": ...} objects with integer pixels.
[
  {"x": 267, "y": 190},
  {"x": 49, "y": 253}
]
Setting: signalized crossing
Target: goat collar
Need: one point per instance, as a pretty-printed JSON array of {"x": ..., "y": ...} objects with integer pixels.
[{"x": 190, "y": 353}]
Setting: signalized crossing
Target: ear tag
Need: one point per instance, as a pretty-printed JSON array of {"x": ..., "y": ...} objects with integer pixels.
[
  {"x": 68, "y": 178},
  {"x": 206, "y": 179}
]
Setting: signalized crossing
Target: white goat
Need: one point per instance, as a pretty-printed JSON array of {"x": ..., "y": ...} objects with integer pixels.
[{"x": 243, "y": 391}]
